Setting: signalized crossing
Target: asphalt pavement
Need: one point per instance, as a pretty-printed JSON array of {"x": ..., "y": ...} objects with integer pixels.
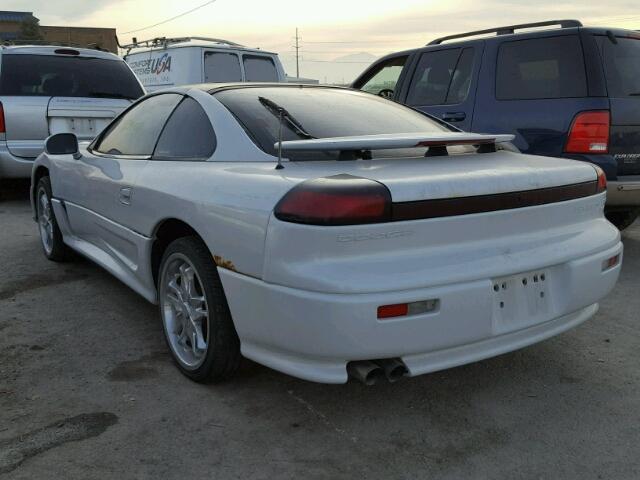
[{"x": 88, "y": 390}]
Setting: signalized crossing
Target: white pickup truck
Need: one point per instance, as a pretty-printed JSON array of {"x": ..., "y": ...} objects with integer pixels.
[{"x": 169, "y": 62}]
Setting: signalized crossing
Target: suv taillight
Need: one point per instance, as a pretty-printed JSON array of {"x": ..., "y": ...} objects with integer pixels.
[
  {"x": 337, "y": 200},
  {"x": 589, "y": 133},
  {"x": 2, "y": 126}
]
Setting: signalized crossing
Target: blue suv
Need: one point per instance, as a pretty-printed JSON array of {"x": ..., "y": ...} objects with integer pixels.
[{"x": 568, "y": 91}]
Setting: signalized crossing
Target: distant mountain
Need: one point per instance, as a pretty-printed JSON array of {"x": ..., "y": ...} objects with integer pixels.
[{"x": 338, "y": 70}]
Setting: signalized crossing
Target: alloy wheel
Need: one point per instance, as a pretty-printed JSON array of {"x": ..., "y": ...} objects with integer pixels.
[
  {"x": 45, "y": 221},
  {"x": 185, "y": 312}
]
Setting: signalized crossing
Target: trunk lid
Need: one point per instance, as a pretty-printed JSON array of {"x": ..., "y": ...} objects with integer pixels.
[
  {"x": 85, "y": 117},
  {"x": 463, "y": 175},
  {"x": 426, "y": 252}
]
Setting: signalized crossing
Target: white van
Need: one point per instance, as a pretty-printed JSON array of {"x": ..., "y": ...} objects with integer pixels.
[{"x": 168, "y": 62}]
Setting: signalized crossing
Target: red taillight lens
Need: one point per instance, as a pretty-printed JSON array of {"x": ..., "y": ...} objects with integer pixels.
[
  {"x": 589, "y": 133},
  {"x": 602, "y": 180},
  {"x": 2, "y": 125},
  {"x": 338, "y": 200},
  {"x": 390, "y": 311}
]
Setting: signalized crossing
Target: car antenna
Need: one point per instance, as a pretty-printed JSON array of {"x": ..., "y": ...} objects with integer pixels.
[{"x": 279, "y": 166}]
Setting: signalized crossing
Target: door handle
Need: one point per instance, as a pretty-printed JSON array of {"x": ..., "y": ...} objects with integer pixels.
[
  {"x": 454, "y": 116},
  {"x": 125, "y": 195}
]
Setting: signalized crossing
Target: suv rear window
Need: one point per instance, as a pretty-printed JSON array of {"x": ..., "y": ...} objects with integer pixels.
[
  {"x": 621, "y": 65},
  {"x": 321, "y": 113},
  {"x": 64, "y": 76},
  {"x": 551, "y": 67}
]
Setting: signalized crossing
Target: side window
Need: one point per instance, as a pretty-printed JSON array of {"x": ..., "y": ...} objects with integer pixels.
[
  {"x": 384, "y": 77},
  {"x": 137, "y": 131},
  {"x": 538, "y": 68},
  {"x": 222, "y": 67},
  {"x": 461, "y": 81},
  {"x": 432, "y": 77},
  {"x": 621, "y": 66},
  {"x": 259, "y": 69},
  {"x": 187, "y": 134}
]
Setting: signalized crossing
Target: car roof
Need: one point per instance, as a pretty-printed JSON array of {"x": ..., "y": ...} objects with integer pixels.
[
  {"x": 51, "y": 50},
  {"x": 198, "y": 43}
]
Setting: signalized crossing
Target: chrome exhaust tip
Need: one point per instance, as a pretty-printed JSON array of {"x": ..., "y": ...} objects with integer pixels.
[{"x": 365, "y": 372}]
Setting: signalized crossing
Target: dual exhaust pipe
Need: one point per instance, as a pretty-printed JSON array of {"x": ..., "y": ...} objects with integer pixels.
[{"x": 370, "y": 372}]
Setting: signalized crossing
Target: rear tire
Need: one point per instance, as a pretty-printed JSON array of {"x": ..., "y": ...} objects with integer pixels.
[
  {"x": 622, "y": 218},
  {"x": 195, "y": 315},
  {"x": 50, "y": 234}
]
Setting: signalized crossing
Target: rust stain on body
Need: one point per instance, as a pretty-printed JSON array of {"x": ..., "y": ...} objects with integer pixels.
[{"x": 223, "y": 263}]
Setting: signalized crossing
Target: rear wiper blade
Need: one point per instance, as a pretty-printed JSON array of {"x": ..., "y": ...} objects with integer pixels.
[
  {"x": 277, "y": 110},
  {"x": 110, "y": 95},
  {"x": 634, "y": 94}
]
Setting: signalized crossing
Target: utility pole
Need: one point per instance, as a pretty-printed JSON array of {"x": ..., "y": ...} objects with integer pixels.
[{"x": 297, "y": 47}]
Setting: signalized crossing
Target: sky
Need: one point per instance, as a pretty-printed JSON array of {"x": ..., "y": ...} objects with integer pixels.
[{"x": 338, "y": 38}]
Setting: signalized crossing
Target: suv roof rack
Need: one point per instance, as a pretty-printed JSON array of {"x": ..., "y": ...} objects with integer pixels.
[
  {"x": 508, "y": 30},
  {"x": 164, "y": 42}
]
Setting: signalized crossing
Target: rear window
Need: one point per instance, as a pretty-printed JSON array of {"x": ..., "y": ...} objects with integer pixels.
[
  {"x": 541, "y": 68},
  {"x": 259, "y": 69},
  {"x": 65, "y": 76},
  {"x": 621, "y": 65},
  {"x": 321, "y": 113}
]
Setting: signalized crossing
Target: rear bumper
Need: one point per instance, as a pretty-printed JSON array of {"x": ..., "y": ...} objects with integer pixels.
[
  {"x": 623, "y": 192},
  {"x": 12, "y": 166},
  {"x": 313, "y": 335}
]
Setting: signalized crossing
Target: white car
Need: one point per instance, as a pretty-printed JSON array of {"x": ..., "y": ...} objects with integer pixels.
[{"x": 382, "y": 243}]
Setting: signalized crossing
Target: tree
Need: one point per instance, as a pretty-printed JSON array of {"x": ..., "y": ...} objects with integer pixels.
[{"x": 30, "y": 29}]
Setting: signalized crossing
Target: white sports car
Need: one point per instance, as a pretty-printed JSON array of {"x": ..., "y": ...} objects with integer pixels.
[{"x": 328, "y": 233}]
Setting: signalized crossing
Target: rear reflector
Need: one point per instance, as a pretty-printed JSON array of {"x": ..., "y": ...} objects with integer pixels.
[
  {"x": 408, "y": 309},
  {"x": 610, "y": 262},
  {"x": 390, "y": 311},
  {"x": 337, "y": 200},
  {"x": 2, "y": 125},
  {"x": 589, "y": 133}
]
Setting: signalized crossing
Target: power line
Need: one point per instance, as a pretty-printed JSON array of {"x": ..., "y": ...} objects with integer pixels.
[{"x": 170, "y": 19}]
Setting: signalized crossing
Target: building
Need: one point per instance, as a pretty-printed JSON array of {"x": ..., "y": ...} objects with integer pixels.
[
  {"x": 11, "y": 24},
  {"x": 12, "y": 28},
  {"x": 104, "y": 38}
]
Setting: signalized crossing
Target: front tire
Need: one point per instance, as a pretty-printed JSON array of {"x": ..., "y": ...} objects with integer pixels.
[
  {"x": 50, "y": 234},
  {"x": 195, "y": 315},
  {"x": 622, "y": 218}
]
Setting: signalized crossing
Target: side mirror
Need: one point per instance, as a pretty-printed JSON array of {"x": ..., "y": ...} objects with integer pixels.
[{"x": 62, "y": 144}]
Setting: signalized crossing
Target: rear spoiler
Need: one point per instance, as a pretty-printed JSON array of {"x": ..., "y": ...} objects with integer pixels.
[{"x": 392, "y": 141}]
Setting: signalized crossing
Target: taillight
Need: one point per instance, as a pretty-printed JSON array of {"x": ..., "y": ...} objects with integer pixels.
[
  {"x": 2, "y": 125},
  {"x": 407, "y": 309},
  {"x": 337, "y": 200},
  {"x": 589, "y": 133},
  {"x": 602, "y": 180}
]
